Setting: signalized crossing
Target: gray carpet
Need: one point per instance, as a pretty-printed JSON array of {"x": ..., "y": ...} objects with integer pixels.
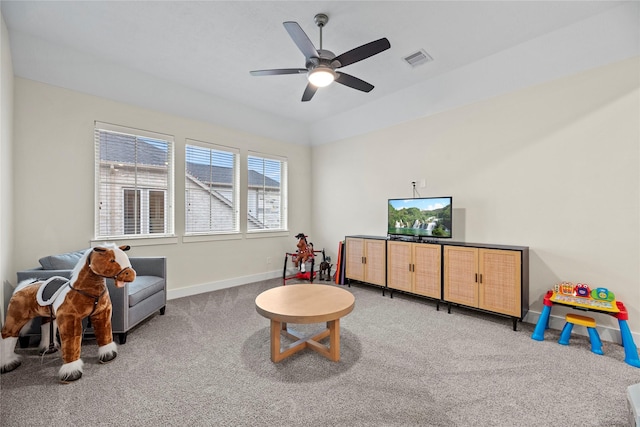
[{"x": 206, "y": 362}]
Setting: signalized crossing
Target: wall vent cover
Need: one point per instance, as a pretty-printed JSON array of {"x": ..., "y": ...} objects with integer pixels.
[{"x": 418, "y": 58}]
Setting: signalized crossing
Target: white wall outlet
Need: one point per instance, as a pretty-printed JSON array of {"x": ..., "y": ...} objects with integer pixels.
[{"x": 423, "y": 183}]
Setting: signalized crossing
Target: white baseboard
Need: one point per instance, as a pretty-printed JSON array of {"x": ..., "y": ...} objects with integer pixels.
[
  {"x": 607, "y": 333},
  {"x": 222, "y": 284}
]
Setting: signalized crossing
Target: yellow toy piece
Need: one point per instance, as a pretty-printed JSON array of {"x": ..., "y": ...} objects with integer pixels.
[{"x": 577, "y": 319}]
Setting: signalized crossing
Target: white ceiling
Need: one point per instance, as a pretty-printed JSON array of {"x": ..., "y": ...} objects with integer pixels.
[{"x": 206, "y": 49}]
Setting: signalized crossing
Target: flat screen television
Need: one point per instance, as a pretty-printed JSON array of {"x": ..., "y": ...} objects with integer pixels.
[{"x": 423, "y": 217}]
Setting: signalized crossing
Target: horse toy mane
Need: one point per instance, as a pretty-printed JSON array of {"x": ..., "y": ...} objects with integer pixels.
[{"x": 84, "y": 295}]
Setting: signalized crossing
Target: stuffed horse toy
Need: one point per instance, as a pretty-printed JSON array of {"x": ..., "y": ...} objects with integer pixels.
[
  {"x": 305, "y": 251},
  {"x": 85, "y": 295}
]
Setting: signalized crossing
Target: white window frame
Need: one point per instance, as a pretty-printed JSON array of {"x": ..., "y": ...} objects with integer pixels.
[
  {"x": 234, "y": 191},
  {"x": 138, "y": 184},
  {"x": 283, "y": 179}
]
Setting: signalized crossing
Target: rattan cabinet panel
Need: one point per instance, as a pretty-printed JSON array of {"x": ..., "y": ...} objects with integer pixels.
[
  {"x": 499, "y": 284},
  {"x": 366, "y": 260},
  {"x": 415, "y": 268},
  {"x": 461, "y": 275},
  {"x": 487, "y": 278}
]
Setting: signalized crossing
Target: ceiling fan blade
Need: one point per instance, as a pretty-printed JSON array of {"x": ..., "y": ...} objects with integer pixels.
[
  {"x": 353, "y": 82},
  {"x": 278, "y": 71},
  {"x": 363, "y": 52},
  {"x": 301, "y": 39},
  {"x": 309, "y": 92}
]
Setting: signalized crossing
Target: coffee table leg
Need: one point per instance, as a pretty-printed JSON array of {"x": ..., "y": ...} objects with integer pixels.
[
  {"x": 276, "y": 327},
  {"x": 334, "y": 339},
  {"x": 332, "y": 352}
]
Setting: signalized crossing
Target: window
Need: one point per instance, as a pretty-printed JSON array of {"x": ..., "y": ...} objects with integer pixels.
[
  {"x": 134, "y": 182},
  {"x": 149, "y": 202},
  {"x": 266, "y": 193},
  {"x": 211, "y": 189}
]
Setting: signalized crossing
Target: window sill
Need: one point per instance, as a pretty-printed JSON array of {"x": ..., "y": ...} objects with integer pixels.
[
  {"x": 261, "y": 234},
  {"x": 138, "y": 241},
  {"x": 194, "y": 238}
]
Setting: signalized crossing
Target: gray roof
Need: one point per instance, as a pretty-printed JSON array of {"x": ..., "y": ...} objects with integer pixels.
[
  {"x": 223, "y": 175},
  {"x": 119, "y": 148}
]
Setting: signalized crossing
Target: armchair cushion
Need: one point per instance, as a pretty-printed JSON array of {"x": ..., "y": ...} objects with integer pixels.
[
  {"x": 143, "y": 287},
  {"x": 64, "y": 261}
]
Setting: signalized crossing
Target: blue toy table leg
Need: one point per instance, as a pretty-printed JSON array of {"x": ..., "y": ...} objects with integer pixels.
[
  {"x": 565, "y": 335},
  {"x": 596, "y": 344},
  {"x": 543, "y": 323},
  {"x": 630, "y": 349}
]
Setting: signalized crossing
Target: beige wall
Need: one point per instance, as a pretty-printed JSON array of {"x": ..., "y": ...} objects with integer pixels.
[
  {"x": 54, "y": 187},
  {"x": 6, "y": 169},
  {"x": 554, "y": 167}
]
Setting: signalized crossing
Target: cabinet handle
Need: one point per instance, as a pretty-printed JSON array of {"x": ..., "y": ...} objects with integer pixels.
[
  {"x": 410, "y": 267},
  {"x": 364, "y": 259},
  {"x": 480, "y": 277},
  {"x": 476, "y": 277}
]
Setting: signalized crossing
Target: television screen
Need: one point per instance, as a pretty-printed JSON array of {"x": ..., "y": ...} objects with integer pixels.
[{"x": 420, "y": 217}]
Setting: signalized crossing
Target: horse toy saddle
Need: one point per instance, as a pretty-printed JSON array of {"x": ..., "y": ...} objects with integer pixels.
[{"x": 49, "y": 290}]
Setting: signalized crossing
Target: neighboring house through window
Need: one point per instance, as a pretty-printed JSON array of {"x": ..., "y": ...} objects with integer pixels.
[
  {"x": 266, "y": 193},
  {"x": 134, "y": 182},
  {"x": 211, "y": 189}
]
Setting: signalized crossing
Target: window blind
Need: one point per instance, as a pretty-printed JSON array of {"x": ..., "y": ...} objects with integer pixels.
[
  {"x": 266, "y": 192},
  {"x": 211, "y": 189},
  {"x": 134, "y": 182}
]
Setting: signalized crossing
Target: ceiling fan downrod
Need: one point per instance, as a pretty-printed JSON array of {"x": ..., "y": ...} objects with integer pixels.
[{"x": 321, "y": 20}]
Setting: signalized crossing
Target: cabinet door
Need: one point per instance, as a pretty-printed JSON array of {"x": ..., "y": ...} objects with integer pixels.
[
  {"x": 426, "y": 270},
  {"x": 500, "y": 281},
  {"x": 460, "y": 275},
  {"x": 355, "y": 259},
  {"x": 375, "y": 264},
  {"x": 399, "y": 265}
]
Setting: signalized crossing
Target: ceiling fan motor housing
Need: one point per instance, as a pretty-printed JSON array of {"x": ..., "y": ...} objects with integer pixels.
[{"x": 325, "y": 57}]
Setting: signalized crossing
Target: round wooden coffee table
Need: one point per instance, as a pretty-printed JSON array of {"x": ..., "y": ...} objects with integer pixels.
[{"x": 306, "y": 303}]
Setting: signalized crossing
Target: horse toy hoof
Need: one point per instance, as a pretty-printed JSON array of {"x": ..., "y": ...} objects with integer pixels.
[
  {"x": 71, "y": 377},
  {"x": 10, "y": 367},
  {"x": 108, "y": 358}
]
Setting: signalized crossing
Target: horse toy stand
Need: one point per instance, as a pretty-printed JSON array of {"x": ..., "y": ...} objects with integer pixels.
[
  {"x": 85, "y": 295},
  {"x": 303, "y": 255}
]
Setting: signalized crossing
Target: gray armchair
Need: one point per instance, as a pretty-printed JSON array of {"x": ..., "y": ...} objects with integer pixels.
[{"x": 132, "y": 304}]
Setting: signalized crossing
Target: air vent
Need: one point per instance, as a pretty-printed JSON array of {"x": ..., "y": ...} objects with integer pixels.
[{"x": 418, "y": 58}]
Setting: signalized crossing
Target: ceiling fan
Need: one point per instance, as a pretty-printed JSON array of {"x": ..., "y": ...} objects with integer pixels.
[{"x": 321, "y": 64}]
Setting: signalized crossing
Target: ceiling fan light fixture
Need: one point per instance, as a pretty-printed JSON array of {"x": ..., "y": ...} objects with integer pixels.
[{"x": 321, "y": 76}]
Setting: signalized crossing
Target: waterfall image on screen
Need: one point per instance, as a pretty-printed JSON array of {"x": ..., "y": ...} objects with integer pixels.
[{"x": 421, "y": 217}]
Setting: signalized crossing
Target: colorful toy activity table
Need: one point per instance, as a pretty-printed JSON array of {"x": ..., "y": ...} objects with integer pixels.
[{"x": 611, "y": 307}]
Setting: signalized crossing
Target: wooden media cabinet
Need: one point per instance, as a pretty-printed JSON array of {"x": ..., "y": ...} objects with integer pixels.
[{"x": 485, "y": 277}]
